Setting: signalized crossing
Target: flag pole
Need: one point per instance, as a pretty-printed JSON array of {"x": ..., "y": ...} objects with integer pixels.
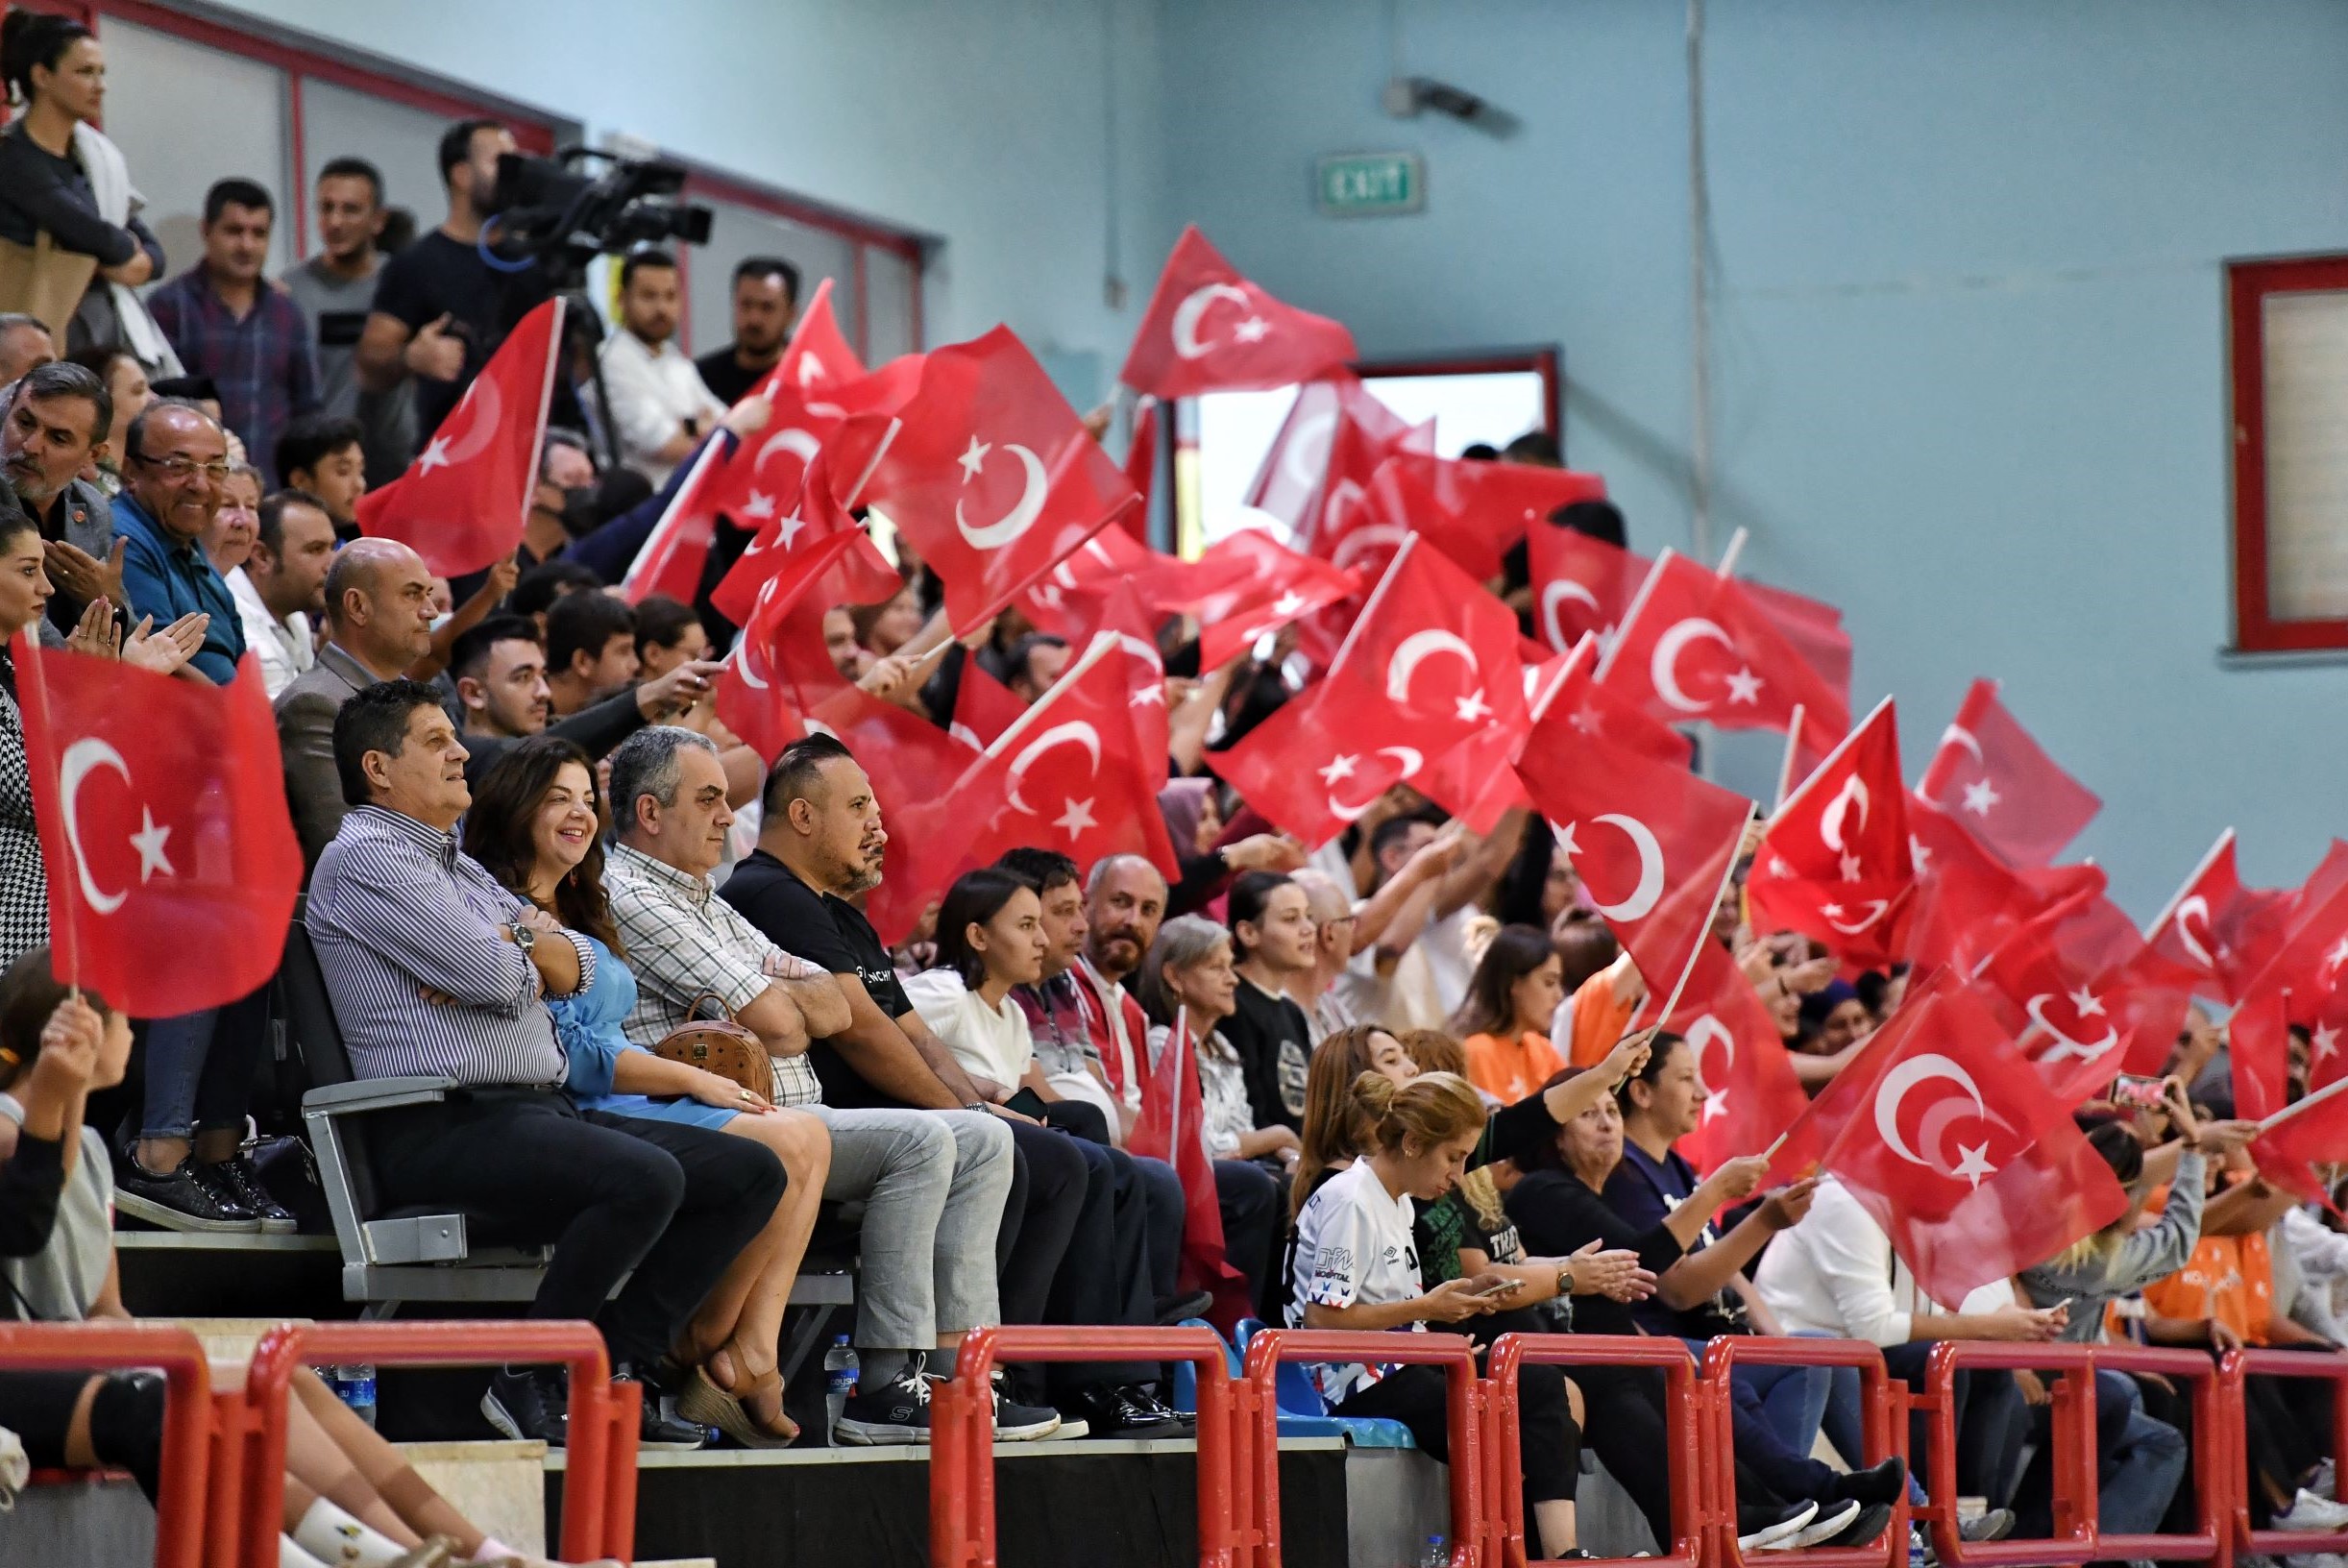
[
  {"x": 2199, "y": 871},
  {"x": 1829, "y": 760},
  {"x": 1370, "y": 604},
  {"x": 2307, "y": 1103},
  {"x": 1728, "y": 567},
  {"x": 1549, "y": 691},
  {"x": 1630, "y": 616},
  {"x": 1696, "y": 952},
  {"x": 1793, "y": 745}
]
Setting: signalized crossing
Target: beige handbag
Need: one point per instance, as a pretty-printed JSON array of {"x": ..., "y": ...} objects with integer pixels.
[
  {"x": 44, "y": 283},
  {"x": 719, "y": 1045}
]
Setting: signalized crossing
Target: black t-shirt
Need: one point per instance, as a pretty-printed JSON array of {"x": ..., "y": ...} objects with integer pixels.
[
  {"x": 434, "y": 277},
  {"x": 1273, "y": 1045},
  {"x": 1557, "y": 1215},
  {"x": 824, "y": 930},
  {"x": 722, "y": 374}
]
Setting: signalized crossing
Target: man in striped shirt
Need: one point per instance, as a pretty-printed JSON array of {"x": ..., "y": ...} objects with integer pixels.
[{"x": 435, "y": 969}]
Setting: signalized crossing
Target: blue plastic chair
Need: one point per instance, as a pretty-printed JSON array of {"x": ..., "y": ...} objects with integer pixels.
[{"x": 1304, "y": 1413}]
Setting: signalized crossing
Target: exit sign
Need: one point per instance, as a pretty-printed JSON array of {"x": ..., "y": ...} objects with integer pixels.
[{"x": 1370, "y": 184}]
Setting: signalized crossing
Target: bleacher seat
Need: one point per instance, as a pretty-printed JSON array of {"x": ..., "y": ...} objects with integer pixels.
[{"x": 1303, "y": 1413}]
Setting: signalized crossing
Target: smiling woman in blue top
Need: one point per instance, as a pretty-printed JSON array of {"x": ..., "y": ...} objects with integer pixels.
[{"x": 173, "y": 472}]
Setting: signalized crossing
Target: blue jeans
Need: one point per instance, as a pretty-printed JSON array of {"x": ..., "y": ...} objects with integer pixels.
[
  {"x": 2140, "y": 1461},
  {"x": 1843, "y": 1419},
  {"x": 200, "y": 1066},
  {"x": 1775, "y": 1420}
]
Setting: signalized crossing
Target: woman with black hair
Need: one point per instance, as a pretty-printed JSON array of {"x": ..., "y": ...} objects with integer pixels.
[
  {"x": 1271, "y": 946},
  {"x": 1504, "y": 1024},
  {"x": 989, "y": 942},
  {"x": 59, "y": 176}
]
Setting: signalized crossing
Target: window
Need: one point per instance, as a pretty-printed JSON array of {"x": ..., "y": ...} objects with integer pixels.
[
  {"x": 1491, "y": 399},
  {"x": 2288, "y": 341}
]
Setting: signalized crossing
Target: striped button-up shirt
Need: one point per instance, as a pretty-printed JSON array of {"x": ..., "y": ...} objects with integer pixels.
[
  {"x": 397, "y": 913},
  {"x": 685, "y": 942}
]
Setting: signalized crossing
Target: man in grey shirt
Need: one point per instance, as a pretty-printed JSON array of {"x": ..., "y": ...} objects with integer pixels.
[{"x": 335, "y": 290}]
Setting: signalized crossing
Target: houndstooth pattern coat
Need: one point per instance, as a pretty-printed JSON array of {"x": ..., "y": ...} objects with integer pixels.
[{"x": 24, "y": 883}]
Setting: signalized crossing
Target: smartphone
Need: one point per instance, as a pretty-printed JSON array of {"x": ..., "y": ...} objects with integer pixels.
[
  {"x": 1506, "y": 1287},
  {"x": 2131, "y": 1091}
]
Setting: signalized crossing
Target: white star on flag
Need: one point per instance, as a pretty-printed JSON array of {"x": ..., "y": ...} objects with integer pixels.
[
  {"x": 1339, "y": 769},
  {"x": 1918, "y": 856},
  {"x": 1473, "y": 708},
  {"x": 2323, "y": 1041},
  {"x": 1850, "y": 866},
  {"x": 760, "y": 505},
  {"x": 788, "y": 529},
  {"x": 2337, "y": 957},
  {"x": 1980, "y": 796},
  {"x": 1832, "y": 911},
  {"x": 1744, "y": 686},
  {"x": 975, "y": 459},
  {"x": 1147, "y": 697},
  {"x": 435, "y": 455},
  {"x": 2087, "y": 1003},
  {"x": 148, "y": 841},
  {"x": 1716, "y": 1104},
  {"x": 1290, "y": 603},
  {"x": 1251, "y": 330},
  {"x": 1076, "y": 819},
  {"x": 1974, "y": 1163},
  {"x": 1565, "y": 841}
]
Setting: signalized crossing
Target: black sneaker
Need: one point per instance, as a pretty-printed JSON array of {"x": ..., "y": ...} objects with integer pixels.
[
  {"x": 657, "y": 1426},
  {"x": 1885, "y": 1484},
  {"x": 529, "y": 1405},
  {"x": 895, "y": 1412},
  {"x": 1870, "y": 1523},
  {"x": 237, "y": 1182},
  {"x": 179, "y": 1200},
  {"x": 1127, "y": 1412},
  {"x": 1016, "y": 1423}
]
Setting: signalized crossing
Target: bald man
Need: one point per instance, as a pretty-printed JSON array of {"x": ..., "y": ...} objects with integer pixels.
[{"x": 378, "y": 617}]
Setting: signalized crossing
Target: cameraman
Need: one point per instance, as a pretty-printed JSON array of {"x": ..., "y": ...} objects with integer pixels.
[{"x": 438, "y": 307}]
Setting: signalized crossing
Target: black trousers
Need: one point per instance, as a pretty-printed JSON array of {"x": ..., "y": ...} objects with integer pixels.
[
  {"x": 1549, "y": 1442},
  {"x": 1255, "y": 1218},
  {"x": 673, "y": 1203},
  {"x": 126, "y": 1418}
]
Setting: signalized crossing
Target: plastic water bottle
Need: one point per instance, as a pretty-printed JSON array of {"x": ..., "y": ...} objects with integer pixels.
[
  {"x": 355, "y": 1385},
  {"x": 838, "y": 1376},
  {"x": 1438, "y": 1554}
]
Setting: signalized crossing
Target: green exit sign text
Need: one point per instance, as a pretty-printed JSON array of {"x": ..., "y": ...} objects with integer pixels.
[{"x": 1370, "y": 184}]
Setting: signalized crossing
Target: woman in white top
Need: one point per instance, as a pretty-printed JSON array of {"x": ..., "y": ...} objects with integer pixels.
[
  {"x": 990, "y": 939},
  {"x": 1354, "y": 1266}
]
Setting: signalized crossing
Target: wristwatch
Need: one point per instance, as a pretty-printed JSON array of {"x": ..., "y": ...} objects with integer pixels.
[
  {"x": 1565, "y": 1278},
  {"x": 525, "y": 938},
  {"x": 978, "y": 1105}
]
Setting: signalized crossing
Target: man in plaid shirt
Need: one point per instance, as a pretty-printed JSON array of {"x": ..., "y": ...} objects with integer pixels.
[{"x": 227, "y": 323}]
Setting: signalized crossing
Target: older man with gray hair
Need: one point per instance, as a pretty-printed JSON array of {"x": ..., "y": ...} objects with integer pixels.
[{"x": 933, "y": 1183}]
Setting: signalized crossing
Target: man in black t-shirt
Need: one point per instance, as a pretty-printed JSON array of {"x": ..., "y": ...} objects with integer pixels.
[
  {"x": 437, "y": 304},
  {"x": 820, "y": 843},
  {"x": 766, "y": 304}
]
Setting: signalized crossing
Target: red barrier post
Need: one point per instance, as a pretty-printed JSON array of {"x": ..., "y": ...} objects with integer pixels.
[
  {"x": 1464, "y": 1420},
  {"x": 1883, "y": 1418},
  {"x": 2233, "y": 1368},
  {"x": 1683, "y": 1416},
  {"x": 2212, "y": 1537},
  {"x": 591, "y": 1527},
  {"x": 2073, "y": 1435},
  {"x": 181, "y": 1498},
  {"x": 962, "y": 1432}
]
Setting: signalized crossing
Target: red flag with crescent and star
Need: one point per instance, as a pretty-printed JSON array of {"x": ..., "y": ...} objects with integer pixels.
[
  {"x": 2002, "y": 785},
  {"x": 1208, "y": 328},
  {"x": 780, "y": 669},
  {"x": 2083, "y": 998},
  {"x": 1836, "y": 862},
  {"x": 1581, "y": 586},
  {"x": 990, "y": 475},
  {"x": 2220, "y": 930},
  {"x": 1474, "y": 512},
  {"x": 463, "y": 503},
  {"x": 1750, "y": 1093},
  {"x": 1973, "y": 1170},
  {"x": 162, "y": 810},
  {"x": 1968, "y": 900},
  {"x": 1315, "y": 767},
  {"x": 1287, "y": 486}
]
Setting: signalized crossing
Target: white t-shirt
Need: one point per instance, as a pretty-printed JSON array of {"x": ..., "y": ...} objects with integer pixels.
[
  {"x": 1353, "y": 1245},
  {"x": 993, "y": 1042},
  {"x": 653, "y": 392}
]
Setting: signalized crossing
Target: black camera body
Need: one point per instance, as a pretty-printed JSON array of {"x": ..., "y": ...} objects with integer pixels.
[{"x": 553, "y": 215}]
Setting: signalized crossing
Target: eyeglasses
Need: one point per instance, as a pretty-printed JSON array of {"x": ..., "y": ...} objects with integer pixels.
[{"x": 181, "y": 468}]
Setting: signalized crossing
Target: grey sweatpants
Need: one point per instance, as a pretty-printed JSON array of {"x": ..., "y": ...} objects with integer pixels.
[{"x": 932, "y": 1185}]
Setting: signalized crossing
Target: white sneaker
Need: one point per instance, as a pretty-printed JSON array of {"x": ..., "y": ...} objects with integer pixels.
[
  {"x": 2323, "y": 1483},
  {"x": 1767, "y": 1538},
  {"x": 1830, "y": 1522},
  {"x": 2310, "y": 1512}
]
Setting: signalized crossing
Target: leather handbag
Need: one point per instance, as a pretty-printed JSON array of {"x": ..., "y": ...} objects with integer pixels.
[
  {"x": 44, "y": 282},
  {"x": 719, "y": 1045}
]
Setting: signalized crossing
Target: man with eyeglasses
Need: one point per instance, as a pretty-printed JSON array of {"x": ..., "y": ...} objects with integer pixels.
[{"x": 175, "y": 461}]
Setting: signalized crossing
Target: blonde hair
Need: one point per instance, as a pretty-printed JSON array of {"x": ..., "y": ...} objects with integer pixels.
[
  {"x": 1434, "y": 1108},
  {"x": 1480, "y": 1191}
]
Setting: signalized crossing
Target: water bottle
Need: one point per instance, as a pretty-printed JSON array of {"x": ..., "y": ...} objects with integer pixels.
[
  {"x": 1438, "y": 1554},
  {"x": 838, "y": 1376},
  {"x": 354, "y": 1387}
]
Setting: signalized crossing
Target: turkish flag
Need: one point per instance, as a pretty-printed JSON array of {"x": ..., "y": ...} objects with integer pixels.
[
  {"x": 780, "y": 669},
  {"x": 1652, "y": 843},
  {"x": 1290, "y": 482},
  {"x": 1208, "y": 328},
  {"x": 1350, "y": 528},
  {"x": 1836, "y": 862},
  {"x": 990, "y": 475},
  {"x": 1172, "y": 1109},
  {"x": 2310, "y": 960},
  {"x": 2311, "y": 1134},
  {"x": 1968, "y": 900},
  {"x": 1974, "y": 1171},
  {"x": 816, "y": 515},
  {"x": 907, "y": 759},
  {"x": 1568, "y": 693},
  {"x": 1750, "y": 1093},
  {"x": 1474, "y": 512},
  {"x": 1313, "y": 768},
  {"x": 160, "y": 803},
  {"x": 2084, "y": 998},
  {"x": 1066, "y": 598},
  {"x": 1118, "y": 613},
  {"x": 2008, "y": 791},
  {"x": 1580, "y": 585},
  {"x": 463, "y": 503},
  {"x": 1694, "y": 644},
  {"x": 754, "y": 481},
  {"x": 984, "y": 707},
  {"x": 1248, "y": 585},
  {"x": 2221, "y": 931}
]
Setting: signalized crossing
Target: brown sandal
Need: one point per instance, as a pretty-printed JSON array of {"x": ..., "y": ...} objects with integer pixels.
[{"x": 704, "y": 1404}]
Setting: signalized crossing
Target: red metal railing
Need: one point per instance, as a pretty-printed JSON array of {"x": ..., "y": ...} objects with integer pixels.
[
  {"x": 182, "y": 1494},
  {"x": 2072, "y": 1435},
  {"x": 962, "y": 1433},
  {"x": 2213, "y": 1536},
  {"x": 598, "y": 1516},
  {"x": 1884, "y": 1433},
  {"x": 1464, "y": 1420},
  {"x": 1683, "y": 1401},
  {"x": 2233, "y": 1368}
]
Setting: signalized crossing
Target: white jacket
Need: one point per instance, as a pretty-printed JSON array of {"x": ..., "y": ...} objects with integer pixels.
[
  {"x": 991, "y": 1041},
  {"x": 1835, "y": 1274}
]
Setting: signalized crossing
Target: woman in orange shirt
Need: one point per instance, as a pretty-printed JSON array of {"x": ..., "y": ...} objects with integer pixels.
[{"x": 1504, "y": 1020}]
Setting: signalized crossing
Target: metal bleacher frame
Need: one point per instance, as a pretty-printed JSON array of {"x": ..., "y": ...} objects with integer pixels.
[{"x": 391, "y": 1255}]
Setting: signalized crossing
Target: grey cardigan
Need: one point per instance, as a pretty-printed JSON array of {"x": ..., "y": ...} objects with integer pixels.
[{"x": 2140, "y": 1258}]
